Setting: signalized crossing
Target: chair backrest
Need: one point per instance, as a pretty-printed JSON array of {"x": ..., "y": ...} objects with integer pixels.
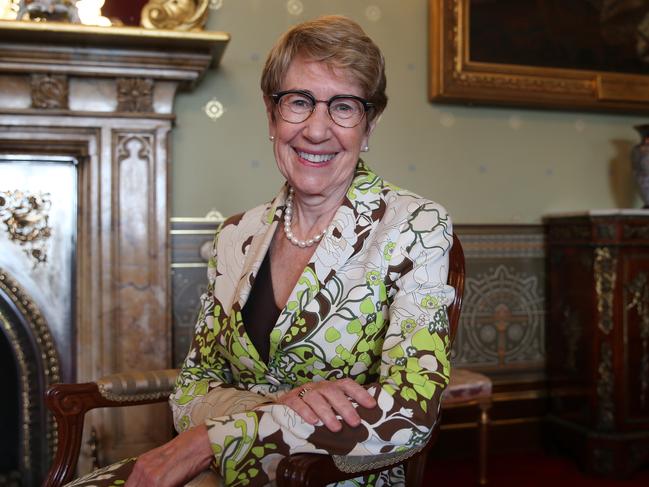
[{"x": 456, "y": 279}]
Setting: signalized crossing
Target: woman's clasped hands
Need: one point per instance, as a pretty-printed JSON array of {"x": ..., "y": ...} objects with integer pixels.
[
  {"x": 175, "y": 462},
  {"x": 327, "y": 400}
]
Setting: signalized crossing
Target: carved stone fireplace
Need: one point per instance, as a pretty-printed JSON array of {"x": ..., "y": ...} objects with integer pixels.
[{"x": 85, "y": 121}]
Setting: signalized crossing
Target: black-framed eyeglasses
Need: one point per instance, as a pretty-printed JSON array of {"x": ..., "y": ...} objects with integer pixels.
[{"x": 295, "y": 106}]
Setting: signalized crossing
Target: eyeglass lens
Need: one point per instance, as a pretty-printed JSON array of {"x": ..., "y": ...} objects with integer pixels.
[{"x": 297, "y": 107}]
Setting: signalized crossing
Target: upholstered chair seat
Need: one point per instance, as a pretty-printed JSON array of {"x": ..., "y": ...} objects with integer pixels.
[{"x": 466, "y": 385}]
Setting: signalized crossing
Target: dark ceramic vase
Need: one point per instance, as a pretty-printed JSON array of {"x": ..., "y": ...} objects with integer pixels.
[{"x": 640, "y": 162}]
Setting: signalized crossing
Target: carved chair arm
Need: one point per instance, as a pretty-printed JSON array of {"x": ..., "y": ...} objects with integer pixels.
[
  {"x": 312, "y": 469},
  {"x": 315, "y": 470},
  {"x": 70, "y": 402}
]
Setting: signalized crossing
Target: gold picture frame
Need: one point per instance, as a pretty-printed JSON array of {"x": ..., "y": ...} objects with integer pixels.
[{"x": 457, "y": 78}]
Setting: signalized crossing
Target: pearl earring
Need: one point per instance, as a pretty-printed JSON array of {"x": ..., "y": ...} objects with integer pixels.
[
  {"x": 271, "y": 138},
  {"x": 365, "y": 148}
]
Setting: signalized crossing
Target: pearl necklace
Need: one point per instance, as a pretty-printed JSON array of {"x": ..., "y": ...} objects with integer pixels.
[{"x": 288, "y": 220}]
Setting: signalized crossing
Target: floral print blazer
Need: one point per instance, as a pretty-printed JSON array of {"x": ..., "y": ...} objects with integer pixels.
[{"x": 370, "y": 305}]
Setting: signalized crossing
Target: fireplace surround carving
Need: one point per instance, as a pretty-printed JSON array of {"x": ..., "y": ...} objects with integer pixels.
[{"x": 103, "y": 97}]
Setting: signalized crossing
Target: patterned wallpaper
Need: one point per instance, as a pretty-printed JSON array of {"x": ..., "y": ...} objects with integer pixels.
[{"x": 486, "y": 165}]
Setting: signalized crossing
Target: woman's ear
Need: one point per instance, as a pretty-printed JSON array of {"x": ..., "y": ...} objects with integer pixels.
[
  {"x": 368, "y": 131},
  {"x": 270, "y": 113},
  {"x": 269, "y": 104},
  {"x": 371, "y": 126}
]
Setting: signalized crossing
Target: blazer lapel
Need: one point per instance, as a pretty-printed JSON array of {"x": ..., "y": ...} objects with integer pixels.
[
  {"x": 258, "y": 247},
  {"x": 360, "y": 211}
]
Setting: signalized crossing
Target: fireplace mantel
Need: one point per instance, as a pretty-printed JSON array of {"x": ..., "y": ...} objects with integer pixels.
[
  {"x": 104, "y": 98},
  {"x": 76, "y": 68}
]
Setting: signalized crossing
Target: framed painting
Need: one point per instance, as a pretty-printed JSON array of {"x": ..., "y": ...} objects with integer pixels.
[{"x": 579, "y": 55}]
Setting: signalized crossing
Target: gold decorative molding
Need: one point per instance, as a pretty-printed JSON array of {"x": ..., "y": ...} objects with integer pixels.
[
  {"x": 49, "y": 91},
  {"x": 639, "y": 299},
  {"x": 135, "y": 94},
  {"x": 175, "y": 14},
  {"x": 604, "y": 269},
  {"x": 27, "y": 220}
]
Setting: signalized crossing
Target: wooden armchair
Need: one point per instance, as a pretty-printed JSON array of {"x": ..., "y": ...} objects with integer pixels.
[{"x": 70, "y": 402}]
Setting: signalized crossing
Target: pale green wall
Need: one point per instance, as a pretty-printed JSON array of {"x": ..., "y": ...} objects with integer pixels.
[{"x": 485, "y": 165}]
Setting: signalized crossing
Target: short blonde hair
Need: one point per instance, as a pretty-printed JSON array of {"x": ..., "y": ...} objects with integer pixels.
[{"x": 338, "y": 42}]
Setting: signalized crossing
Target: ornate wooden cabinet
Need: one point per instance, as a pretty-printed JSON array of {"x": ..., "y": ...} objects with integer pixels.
[{"x": 598, "y": 338}]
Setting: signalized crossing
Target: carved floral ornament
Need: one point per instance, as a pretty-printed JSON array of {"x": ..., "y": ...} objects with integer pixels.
[
  {"x": 49, "y": 91},
  {"x": 26, "y": 218},
  {"x": 135, "y": 94},
  {"x": 183, "y": 15}
]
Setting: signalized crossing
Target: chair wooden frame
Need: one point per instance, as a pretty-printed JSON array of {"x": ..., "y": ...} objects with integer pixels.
[{"x": 70, "y": 402}]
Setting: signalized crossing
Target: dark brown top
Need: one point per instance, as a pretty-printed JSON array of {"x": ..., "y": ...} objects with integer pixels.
[{"x": 260, "y": 312}]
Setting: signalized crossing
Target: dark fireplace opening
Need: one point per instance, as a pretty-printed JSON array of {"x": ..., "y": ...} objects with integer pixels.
[
  {"x": 10, "y": 412},
  {"x": 28, "y": 364}
]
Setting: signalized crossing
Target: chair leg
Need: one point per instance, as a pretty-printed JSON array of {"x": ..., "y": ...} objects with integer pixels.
[
  {"x": 415, "y": 468},
  {"x": 483, "y": 432}
]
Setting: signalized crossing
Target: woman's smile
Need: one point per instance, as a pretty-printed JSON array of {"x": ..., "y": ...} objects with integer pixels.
[{"x": 319, "y": 159}]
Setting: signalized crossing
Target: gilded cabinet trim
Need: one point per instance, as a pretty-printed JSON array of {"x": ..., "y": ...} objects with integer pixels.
[
  {"x": 638, "y": 298},
  {"x": 604, "y": 269}
]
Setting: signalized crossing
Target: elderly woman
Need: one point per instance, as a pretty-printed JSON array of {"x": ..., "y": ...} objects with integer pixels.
[{"x": 324, "y": 326}]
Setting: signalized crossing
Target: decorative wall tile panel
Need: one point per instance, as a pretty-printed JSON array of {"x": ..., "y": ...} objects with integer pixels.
[
  {"x": 502, "y": 327},
  {"x": 190, "y": 237}
]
